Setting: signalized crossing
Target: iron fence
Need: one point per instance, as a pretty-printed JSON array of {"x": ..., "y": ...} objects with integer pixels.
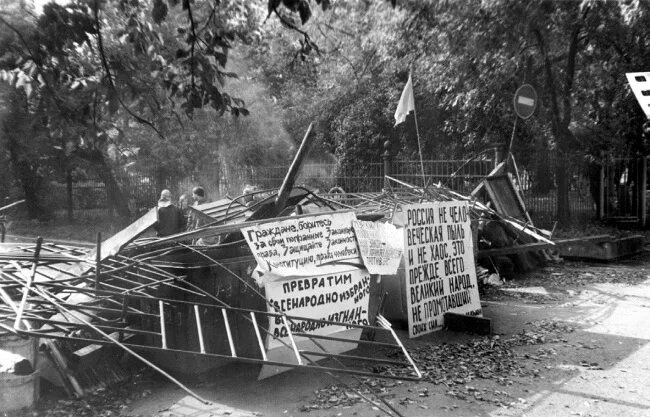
[{"x": 537, "y": 183}]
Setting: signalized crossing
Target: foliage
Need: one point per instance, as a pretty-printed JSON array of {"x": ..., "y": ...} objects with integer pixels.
[
  {"x": 150, "y": 78},
  {"x": 467, "y": 61}
]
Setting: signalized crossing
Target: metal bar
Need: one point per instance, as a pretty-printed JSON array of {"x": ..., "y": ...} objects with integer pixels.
[
  {"x": 340, "y": 339},
  {"x": 121, "y": 345},
  {"x": 83, "y": 326},
  {"x": 293, "y": 342},
  {"x": 233, "y": 309},
  {"x": 352, "y": 357},
  {"x": 199, "y": 328},
  {"x": 163, "y": 333},
  {"x": 78, "y": 308},
  {"x": 388, "y": 326},
  {"x": 12, "y": 205},
  {"x": 224, "y": 356},
  {"x": 259, "y": 338},
  {"x": 30, "y": 279},
  {"x": 107, "y": 293},
  {"x": 154, "y": 281},
  {"x": 230, "y": 340}
]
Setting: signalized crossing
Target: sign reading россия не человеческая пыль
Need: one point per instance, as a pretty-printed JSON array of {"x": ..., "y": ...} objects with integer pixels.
[{"x": 439, "y": 264}]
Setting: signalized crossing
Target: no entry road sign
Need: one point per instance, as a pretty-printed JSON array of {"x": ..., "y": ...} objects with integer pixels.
[{"x": 525, "y": 101}]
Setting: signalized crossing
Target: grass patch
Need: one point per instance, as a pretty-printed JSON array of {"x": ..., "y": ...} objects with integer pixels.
[{"x": 83, "y": 228}]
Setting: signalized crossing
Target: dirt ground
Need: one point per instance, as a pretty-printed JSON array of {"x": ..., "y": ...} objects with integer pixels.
[{"x": 570, "y": 339}]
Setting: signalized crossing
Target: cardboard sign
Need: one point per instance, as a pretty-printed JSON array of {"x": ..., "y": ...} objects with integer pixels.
[
  {"x": 380, "y": 245},
  {"x": 340, "y": 297},
  {"x": 439, "y": 261},
  {"x": 302, "y": 246}
]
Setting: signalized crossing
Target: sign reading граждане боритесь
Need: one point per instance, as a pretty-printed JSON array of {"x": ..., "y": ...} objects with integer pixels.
[
  {"x": 303, "y": 246},
  {"x": 439, "y": 264}
]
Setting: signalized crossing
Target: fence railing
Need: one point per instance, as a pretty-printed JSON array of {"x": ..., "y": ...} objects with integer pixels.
[{"x": 459, "y": 175}]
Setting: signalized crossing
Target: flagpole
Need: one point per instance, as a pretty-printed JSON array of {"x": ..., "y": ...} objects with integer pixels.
[{"x": 417, "y": 132}]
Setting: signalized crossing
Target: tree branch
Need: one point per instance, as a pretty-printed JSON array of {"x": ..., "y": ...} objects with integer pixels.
[
  {"x": 192, "y": 43},
  {"x": 291, "y": 26},
  {"x": 111, "y": 85}
]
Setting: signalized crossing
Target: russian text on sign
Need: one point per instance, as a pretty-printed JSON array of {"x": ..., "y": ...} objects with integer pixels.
[{"x": 440, "y": 275}]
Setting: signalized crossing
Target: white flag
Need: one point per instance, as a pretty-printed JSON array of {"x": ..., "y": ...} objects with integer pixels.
[{"x": 406, "y": 103}]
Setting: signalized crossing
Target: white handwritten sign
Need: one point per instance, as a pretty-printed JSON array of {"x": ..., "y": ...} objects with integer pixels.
[
  {"x": 439, "y": 264},
  {"x": 340, "y": 297},
  {"x": 380, "y": 245},
  {"x": 299, "y": 247}
]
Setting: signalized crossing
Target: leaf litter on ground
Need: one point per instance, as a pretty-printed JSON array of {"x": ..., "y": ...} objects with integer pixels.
[{"x": 455, "y": 366}]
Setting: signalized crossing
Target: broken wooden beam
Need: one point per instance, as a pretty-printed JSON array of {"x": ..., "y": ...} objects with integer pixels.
[{"x": 512, "y": 250}]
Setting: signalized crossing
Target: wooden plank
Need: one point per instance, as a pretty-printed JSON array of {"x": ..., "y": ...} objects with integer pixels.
[
  {"x": 530, "y": 234},
  {"x": 87, "y": 356},
  {"x": 505, "y": 197},
  {"x": 592, "y": 239},
  {"x": 198, "y": 218},
  {"x": 511, "y": 250},
  {"x": 498, "y": 170},
  {"x": 112, "y": 245}
]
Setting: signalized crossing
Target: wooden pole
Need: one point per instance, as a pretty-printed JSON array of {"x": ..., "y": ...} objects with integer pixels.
[
  {"x": 30, "y": 279},
  {"x": 98, "y": 259},
  {"x": 417, "y": 133}
]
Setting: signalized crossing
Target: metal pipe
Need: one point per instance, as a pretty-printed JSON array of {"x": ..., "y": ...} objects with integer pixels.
[{"x": 292, "y": 174}]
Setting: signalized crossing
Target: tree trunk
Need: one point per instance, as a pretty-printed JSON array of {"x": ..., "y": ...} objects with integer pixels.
[
  {"x": 68, "y": 190},
  {"x": 114, "y": 195},
  {"x": 543, "y": 173},
  {"x": 31, "y": 185},
  {"x": 563, "y": 183}
]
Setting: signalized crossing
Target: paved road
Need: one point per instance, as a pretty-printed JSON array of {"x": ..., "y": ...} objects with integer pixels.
[{"x": 596, "y": 363}]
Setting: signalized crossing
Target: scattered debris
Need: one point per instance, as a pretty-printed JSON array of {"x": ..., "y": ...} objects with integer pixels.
[{"x": 457, "y": 365}]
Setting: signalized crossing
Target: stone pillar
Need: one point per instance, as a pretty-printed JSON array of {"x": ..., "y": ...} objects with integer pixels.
[
  {"x": 499, "y": 154},
  {"x": 386, "y": 156}
]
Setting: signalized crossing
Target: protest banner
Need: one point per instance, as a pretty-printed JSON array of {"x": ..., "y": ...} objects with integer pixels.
[
  {"x": 300, "y": 247},
  {"x": 439, "y": 264},
  {"x": 340, "y": 297},
  {"x": 380, "y": 245}
]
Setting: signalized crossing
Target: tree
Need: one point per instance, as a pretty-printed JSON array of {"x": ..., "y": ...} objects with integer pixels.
[{"x": 94, "y": 61}]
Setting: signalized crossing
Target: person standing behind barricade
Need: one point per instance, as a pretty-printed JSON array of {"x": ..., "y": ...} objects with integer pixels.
[
  {"x": 198, "y": 194},
  {"x": 183, "y": 206},
  {"x": 170, "y": 218}
]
